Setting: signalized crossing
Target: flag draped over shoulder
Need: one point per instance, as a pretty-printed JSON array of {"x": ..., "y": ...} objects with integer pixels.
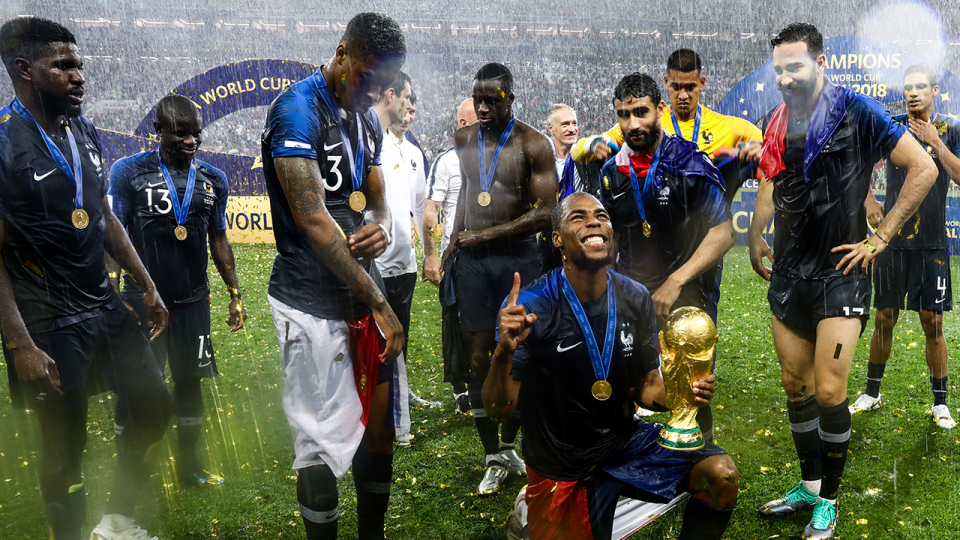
[{"x": 827, "y": 116}]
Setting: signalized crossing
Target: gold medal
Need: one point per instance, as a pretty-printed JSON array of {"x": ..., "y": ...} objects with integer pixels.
[
  {"x": 484, "y": 198},
  {"x": 180, "y": 232},
  {"x": 647, "y": 231},
  {"x": 80, "y": 218},
  {"x": 601, "y": 390},
  {"x": 358, "y": 201}
]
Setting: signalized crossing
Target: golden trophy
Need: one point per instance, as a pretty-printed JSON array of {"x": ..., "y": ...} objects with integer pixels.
[{"x": 687, "y": 342}]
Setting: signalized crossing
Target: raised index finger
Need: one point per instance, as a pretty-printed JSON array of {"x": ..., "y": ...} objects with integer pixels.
[{"x": 515, "y": 291}]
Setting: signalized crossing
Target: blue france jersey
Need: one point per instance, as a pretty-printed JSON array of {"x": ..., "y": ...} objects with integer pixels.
[
  {"x": 142, "y": 203},
  {"x": 566, "y": 431},
  {"x": 56, "y": 270},
  {"x": 299, "y": 124}
]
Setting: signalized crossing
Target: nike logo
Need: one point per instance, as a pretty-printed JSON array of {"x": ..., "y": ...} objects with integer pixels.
[
  {"x": 325, "y": 147},
  {"x": 39, "y": 177},
  {"x": 156, "y": 184},
  {"x": 201, "y": 366},
  {"x": 612, "y": 196},
  {"x": 565, "y": 349}
]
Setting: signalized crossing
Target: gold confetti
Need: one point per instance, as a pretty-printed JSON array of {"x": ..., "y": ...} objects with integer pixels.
[{"x": 861, "y": 521}]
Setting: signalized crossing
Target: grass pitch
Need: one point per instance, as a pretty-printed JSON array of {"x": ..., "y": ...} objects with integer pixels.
[{"x": 902, "y": 477}]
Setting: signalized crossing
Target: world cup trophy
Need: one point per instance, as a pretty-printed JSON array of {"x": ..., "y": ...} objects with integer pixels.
[{"x": 687, "y": 343}]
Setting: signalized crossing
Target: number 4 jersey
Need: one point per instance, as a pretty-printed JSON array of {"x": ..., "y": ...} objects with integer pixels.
[
  {"x": 142, "y": 203},
  {"x": 300, "y": 125}
]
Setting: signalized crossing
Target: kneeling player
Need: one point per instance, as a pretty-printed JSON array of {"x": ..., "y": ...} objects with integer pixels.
[{"x": 584, "y": 449}]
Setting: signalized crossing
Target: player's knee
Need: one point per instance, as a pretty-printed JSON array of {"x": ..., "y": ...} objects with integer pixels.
[
  {"x": 793, "y": 384},
  {"x": 885, "y": 320},
  {"x": 932, "y": 324},
  {"x": 317, "y": 488}
]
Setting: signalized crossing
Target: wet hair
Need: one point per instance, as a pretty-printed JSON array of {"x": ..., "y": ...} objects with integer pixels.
[
  {"x": 496, "y": 71},
  {"x": 173, "y": 105},
  {"x": 684, "y": 61},
  {"x": 374, "y": 35},
  {"x": 637, "y": 85},
  {"x": 557, "y": 108},
  {"x": 413, "y": 98},
  {"x": 800, "y": 33},
  {"x": 30, "y": 38},
  {"x": 556, "y": 215},
  {"x": 923, "y": 69},
  {"x": 398, "y": 84}
]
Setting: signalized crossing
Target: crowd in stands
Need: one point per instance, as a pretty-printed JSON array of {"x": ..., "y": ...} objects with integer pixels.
[{"x": 129, "y": 68}]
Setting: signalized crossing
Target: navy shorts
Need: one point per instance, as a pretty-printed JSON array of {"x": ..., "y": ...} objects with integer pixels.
[
  {"x": 802, "y": 303},
  {"x": 485, "y": 277},
  {"x": 644, "y": 470},
  {"x": 920, "y": 275},
  {"x": 185, "y": 344},
  {"x": 104, "y": 351}
]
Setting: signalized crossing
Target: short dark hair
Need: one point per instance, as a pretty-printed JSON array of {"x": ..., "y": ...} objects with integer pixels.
[
  {"x": 413, "y": 98},
  {"x": 800, "y": 33},
  {"x": 637, "y": 85},
  {"x": 923, "y": 69},
  {"x": 556, "y": 215},
  {"x": 171, "y": 105},
  {"x": 493, "y": 70},
  {"x": 28, "y": 37},
  {"x": 398, "y": 83},
  {"x": 374, "y": 35},
  {"x": 684, "y": 61}
]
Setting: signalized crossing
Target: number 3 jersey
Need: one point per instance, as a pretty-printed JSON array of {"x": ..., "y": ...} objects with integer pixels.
[
  {"x": 300, "y": 125},
  {"x": 142, "y": 203}
]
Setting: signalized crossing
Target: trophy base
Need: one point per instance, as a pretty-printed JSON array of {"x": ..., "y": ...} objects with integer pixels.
[{"x": 684, "y": 440}]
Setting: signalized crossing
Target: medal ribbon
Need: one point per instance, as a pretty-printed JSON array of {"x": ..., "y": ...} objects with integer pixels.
[
  {"x": 650, "y": 179},
  {"x": 486, "y": 175},
  {"x": 601, "y": 364},
  {"x": 179, "y": 211},
  {"x": 76, "y": 174},
  {"x": 356, "y": 162},
  {"x": 696, "y": 126}
]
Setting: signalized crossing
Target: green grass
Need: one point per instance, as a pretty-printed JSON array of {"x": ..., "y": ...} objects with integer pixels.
[{"x": 247, "y": 440}]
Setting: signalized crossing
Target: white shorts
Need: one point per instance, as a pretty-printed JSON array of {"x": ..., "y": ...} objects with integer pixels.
[{"x": 319, "y": 393}]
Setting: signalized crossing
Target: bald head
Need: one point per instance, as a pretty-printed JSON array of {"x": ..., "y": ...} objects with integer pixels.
[{"x": 465, "y": 113}]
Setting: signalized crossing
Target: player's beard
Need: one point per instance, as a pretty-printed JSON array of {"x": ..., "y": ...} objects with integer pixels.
[
  {"x": 591, "y": 265},
  {"x": 799, "y": 98},
  {"x": 647, "y": 141}
]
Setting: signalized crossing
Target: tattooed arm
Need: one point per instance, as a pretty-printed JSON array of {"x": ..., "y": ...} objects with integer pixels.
[
  {"x": 118, "y": 246},
  {"x": 300, "y": 180}
]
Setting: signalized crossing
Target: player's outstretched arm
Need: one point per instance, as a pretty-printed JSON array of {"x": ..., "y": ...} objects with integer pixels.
[
  {"x": 500, "y": 391},
  {"x": 371, "y": 240},
  {"x": 300, "y": 180},
  {"x": 222, "y": 253},
  {"x": 118, "y": 246},
  {"x": 431, "y": 259},
  {"x": 907, "y": 156},
  {"x": 33, "y": 366},
  {"x": 715, "y": 245},
  {"x": 762, "y": 212}
]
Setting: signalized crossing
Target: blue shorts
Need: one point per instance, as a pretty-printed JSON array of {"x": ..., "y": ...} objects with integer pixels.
[
  {"x": 920, "y": 275},
  {"x": 185, "y": 344},
  {"x": 485, "y": 277},
  {"x": 106, "y": 351}
]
